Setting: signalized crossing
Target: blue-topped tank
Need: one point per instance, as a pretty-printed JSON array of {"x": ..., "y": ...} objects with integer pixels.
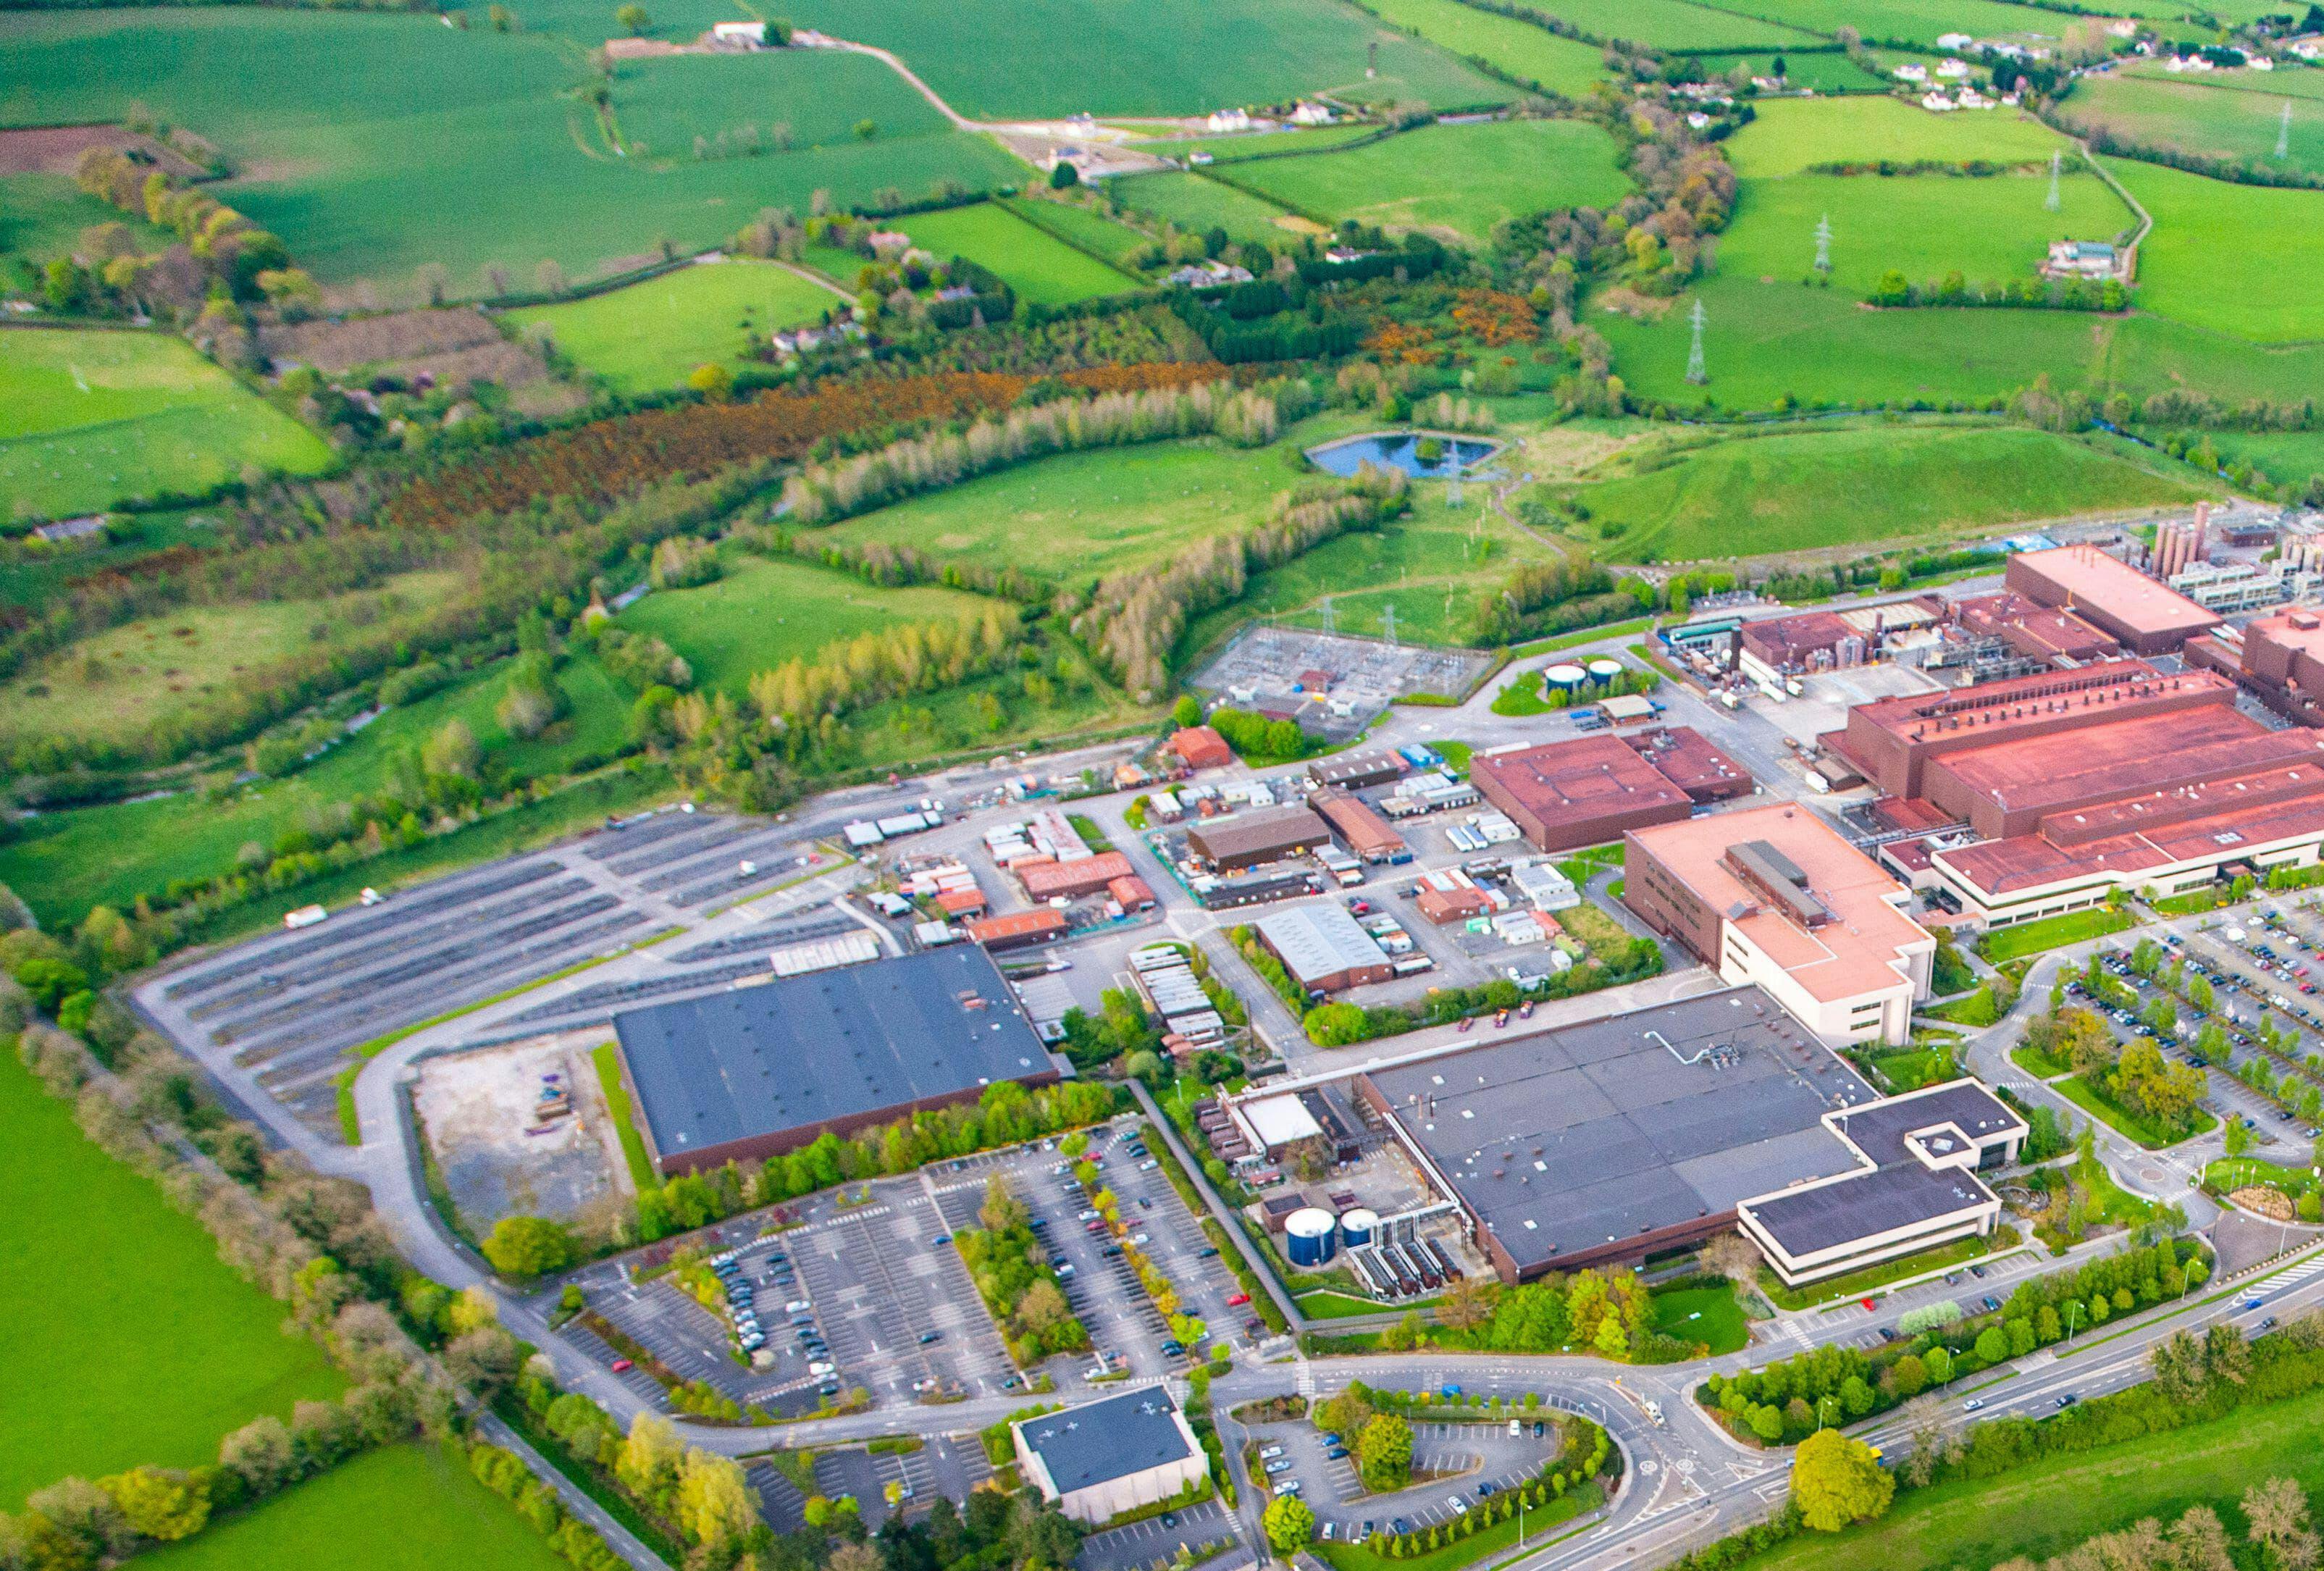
[{"x": 1310, "y": 1235}]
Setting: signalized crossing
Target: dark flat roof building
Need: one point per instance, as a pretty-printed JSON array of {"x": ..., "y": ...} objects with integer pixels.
[
  {"x": 1263, "y": 835},
  {"x": 1112, "y": 1456},
  {"x": 753, "y": 1072}
]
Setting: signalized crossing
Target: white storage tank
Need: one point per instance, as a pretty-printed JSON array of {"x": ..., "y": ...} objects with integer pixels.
[
  {"x": 1358, "y": 1225},
  {"x": 1564, "y": 677},
  {"x": 1604, "y": 670},
  {"x": 1310, "y": 1236}
]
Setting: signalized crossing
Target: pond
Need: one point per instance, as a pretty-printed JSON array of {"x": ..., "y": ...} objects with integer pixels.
[{"x": 1401, "y": 450}]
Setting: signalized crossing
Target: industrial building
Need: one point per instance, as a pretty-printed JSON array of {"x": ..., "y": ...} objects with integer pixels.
[
  {"x": 1324, "y": 949},
  {"x": 1364, "y": 832},
  {"x": 2279, "y": 657},
  {"x": 1354, "y": 772},
  {"x": 2144, "y": 616},
  {"x": 1775, "y": 896},
  {"x": 2005, "y": 635},
  {"x": 1200, "y": 747},
  {"x": 1585, "y": 792},
  {"x": 2051, "y": 793},
  {"x": 754, "y": 1072},
  {"x": 1106, "y": 1457},
  {"x": 1252, "y": 839},
  {"x": 1612, "y": 1139}
]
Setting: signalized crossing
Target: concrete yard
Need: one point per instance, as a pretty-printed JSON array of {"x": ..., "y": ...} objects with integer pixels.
[{"x": 476, "y": 1107}]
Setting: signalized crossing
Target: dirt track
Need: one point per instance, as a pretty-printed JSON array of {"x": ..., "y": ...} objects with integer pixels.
[{"x": 57, "y": 149}]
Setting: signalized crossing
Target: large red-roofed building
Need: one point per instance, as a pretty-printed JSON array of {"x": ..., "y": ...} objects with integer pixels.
[{"x": 2144, "y": 614}]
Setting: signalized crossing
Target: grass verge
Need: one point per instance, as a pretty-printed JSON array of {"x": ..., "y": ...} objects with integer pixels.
[{"x": 606, "y": 1056}]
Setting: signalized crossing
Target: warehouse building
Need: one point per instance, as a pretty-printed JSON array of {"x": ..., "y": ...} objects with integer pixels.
[
  {"x": 1070, "y": 879},
  {"x": 1584, "y": 792},
  {"x": 2144, "y": 616},
  {"x": 1106, "y": 1457},
  {"x": 1775, "y": 896},
  {"x": 1324, "y": 948},
  {"x": 1689, "y": 761},
  {"x": 1253, "y": 839},
  {"x": 1365, "y": 833},
  {"x": 1605, "y": 1141},
  {"x": 1018, "y": 930},
  {"x": 1200, "y": 747},
  {"x": 2279, "y": 657},
  {"x": 754, "y": 1072},
  {"x": 1355, "y": 771}
]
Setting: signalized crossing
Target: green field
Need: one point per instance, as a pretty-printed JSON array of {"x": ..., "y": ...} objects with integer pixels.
[
  {"x": 95, "y": 1385},
  {"x": 1824, "y": 71},
  {"x": 2286, "y": 457},
  {"x": 2238, "y": 121},
  {"x": 812, "y": 97},
  {"x": 1798, "y": 489},
  {"x": 1081, "y": 227},
  {"x": 1036, "y": 264},
  {"x": 1917, "y": 22},
  {"x": 2242, "y": 288},
  {"x": 1989, "y": 229},
  {"x": 1791, "y": 134},
  {"x": 377, "y": 143},
  {"x": 121, "y": 681},
  {"x": 1708, "y": 1313},
  {"x": 1196, "y": 204},
  {"x": 1456, "y": 181},
  {"x": 42, "y": 216},
  {"x": 1518, "y": 49},
  {"x": 1079, "y": 517},
  {"x": 1672, "y": 24},
  {"x": 88, "y": 417},
  {"x": 1036, "y": 57},
  {"x": 651, "y": 335},
  {"x": 2052, "y": 1505},
  {"x": 766, "y": 610},
  {"x": 1262, "y": 143},
  {"x": 408, "y": 1508},
  {"x": 1432, "y": 565}
]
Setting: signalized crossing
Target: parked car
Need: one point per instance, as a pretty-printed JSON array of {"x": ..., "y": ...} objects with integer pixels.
[{"x": 622, "y": 1366}]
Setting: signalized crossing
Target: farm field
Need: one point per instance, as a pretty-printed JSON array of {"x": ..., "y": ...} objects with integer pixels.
[
  {"x": 1924, "y": 226},
  {"x": 1796, "y": 490},
  {"x": 1791, "y": 134},
  {"x": 1530, "y": 53},
  {"x": 1260, "y": 143},
  {"x": 814, "y": 98},
  {"x": 765, "y": 610},
  {"x": 1672, "y": 24},
  {"x": 2239, "y": 123},
  {"x": 1455, "y": 181},
  {"x": 2047, "y": 1508},
  {"x": 1824, "y": 71},
  {"x": 1081, "y": 227},
  {"x": 43, "y": 216},
  {"x": 1079, "y": 517},
  {"x": 91, "y": 1388},
  {"x": 1132, "y": 60},
  {"x": 651, "y": 335},
  {"x": 440, "y": 1516},
  {"x": 1432, "y": 565},
  {"x": 383, "y": 142},
  {"x": 128, "y": 678},
  {"x": 2242, "y": 288},
  {"x": 90, "y": 417},
  {"x": 1918, "y": 23},
  {"x": 1194, "y": 203},
  {"x": 1036, "y": 264}
]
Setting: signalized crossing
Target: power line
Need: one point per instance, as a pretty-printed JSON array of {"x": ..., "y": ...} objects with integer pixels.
[
  {"x": 1695, "y": 366},
  {"x": 2052, "y": 202},
  {"x": 2283, "y": 132},
  {"x": 1823, "y": 244}
]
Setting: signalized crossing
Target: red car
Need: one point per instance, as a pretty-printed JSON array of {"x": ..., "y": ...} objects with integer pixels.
[
  {"x": 1866, "y": 1303},
  {"x": 1239, "y": 1300},
  {"x": 622, "y": 1366}
]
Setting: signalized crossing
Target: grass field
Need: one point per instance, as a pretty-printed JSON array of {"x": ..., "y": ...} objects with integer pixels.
[
  {"x": 379, "y": 142},
  {"x": 2242, "y": 1172},
  {"x": 2238, "y": 121},
  {"x": 1823, "y": 72},
  {"x": 766, "y": 610},
  {"x": 123, "y": 678},
  {"x": 1791, "y": 134},
  {"x": 1672, "y": 24},
  {"x": 1821, "y": 486},
  {"x": 1907, "y": 21},
  {"x": 42, "y": 216},
  {"x": 814, "y": 96},
  {"x": 1079, "y": 517},
  {"x": 1521, "y": 50},
  {"x": 94, "y": 1387},
  {"x": 2002, "y": 944},
  {"x": 2286, "y": 457},
  {"x": 2050, "y": 1507},
  {"x": 1036, "y": 264},
  {"x": 1454, "y": 181},
  {"x": 89, "y": 418},
  {"x": 1081, "y": 227},
  {"x": 1054, "y": 57},
  {"x": 1192, "y": 202},
  {"x": 651, "y": 335},
  {"x": 1707, "y": 1314},
  {"x": 2242, "y": 288},
  {"x": 1432, "y": 565},
  {"x": 1262, "y": 143},
  {"x": 407, "y": 1508},
  {"x": 1990, "y": 229}
]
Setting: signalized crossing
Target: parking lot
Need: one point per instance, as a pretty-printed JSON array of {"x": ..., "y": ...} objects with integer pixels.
[
  {"x": 948, "y": 1466},
  {"x": 1141, "y": 1544},
  {"x": 1468, "y": 1462},
  {"x": 290, "y": 1005}
]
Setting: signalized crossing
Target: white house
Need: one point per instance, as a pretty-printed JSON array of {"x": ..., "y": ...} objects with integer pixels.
[
  {"x": 2082, "y": 259},
  {"x": 1223, "y": 120},
  {"x": 738, "y": 34},
  {"x": 1311, "y": 114},
  {"x": 1936, "y": 103},
  {"x": 1912, "y": 71},
  {"x": 1953, "y": 70},
  {"x": 1954, "y": 41}
]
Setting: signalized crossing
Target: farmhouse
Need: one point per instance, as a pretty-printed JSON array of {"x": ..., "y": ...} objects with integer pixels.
[
  {"x": 1106, "y": 1457},
  {"x": 1775, "y": 896},
  {"x": 2082, "y": 258},
  {"x": 754, "y": 1072},
  {"x": 1611, "y": 1140}
]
